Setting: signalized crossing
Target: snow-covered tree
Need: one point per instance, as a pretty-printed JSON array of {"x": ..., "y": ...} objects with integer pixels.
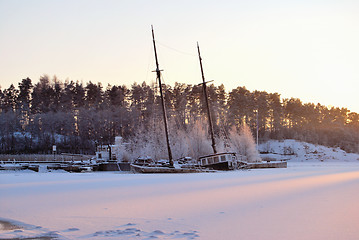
[
  {"x": 199, "y": 140},
  {"x": 244, "y": 144}
]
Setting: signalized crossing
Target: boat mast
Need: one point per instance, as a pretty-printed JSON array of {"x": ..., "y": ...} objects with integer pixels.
[
  {"x": 158, "y": 71},
  {"x": 207, "y": 104}
]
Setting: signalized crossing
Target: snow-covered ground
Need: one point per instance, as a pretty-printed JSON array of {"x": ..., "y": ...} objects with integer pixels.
[
  {"x": 296, "y": 151},
  {"x": 308, "y": 200}
]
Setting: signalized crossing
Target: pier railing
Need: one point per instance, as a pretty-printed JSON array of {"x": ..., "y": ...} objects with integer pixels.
[{"x": 45, "y": 158}]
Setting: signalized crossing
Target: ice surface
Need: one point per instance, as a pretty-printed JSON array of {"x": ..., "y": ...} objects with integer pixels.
[{"x": 308, "y": 200}]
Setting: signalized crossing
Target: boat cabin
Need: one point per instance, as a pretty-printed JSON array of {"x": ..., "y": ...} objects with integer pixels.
[
  {"x": 219, "y": 161},
  {"x": 108, "y": 152},
  {"x": 103, "y": 153}
]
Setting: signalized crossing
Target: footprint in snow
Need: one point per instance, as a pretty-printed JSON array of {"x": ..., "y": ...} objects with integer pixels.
[
  {"x": 130, "y": 224},
  {"x": 158, "y": 232},
  {"x": 73, "y": 229}
]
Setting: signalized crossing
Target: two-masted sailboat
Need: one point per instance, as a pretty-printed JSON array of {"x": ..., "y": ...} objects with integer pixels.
[{"x": 216, "y": 161}]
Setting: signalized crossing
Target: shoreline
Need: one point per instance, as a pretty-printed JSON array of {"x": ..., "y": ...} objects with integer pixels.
[
  {"x": 11, "y": 226},
  {"x": 7, "y": 226}
]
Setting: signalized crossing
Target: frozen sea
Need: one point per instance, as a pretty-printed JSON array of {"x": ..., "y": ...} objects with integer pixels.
[{"x": 307, "y": 200}]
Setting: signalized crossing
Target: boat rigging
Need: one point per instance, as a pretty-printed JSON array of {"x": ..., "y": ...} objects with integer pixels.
[
  {"x": 158, "y": 72},
  {"x": 207, "y": 103}
]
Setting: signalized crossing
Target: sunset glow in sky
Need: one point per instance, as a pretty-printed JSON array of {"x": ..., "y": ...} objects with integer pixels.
[{"x": 303, "y": 49}]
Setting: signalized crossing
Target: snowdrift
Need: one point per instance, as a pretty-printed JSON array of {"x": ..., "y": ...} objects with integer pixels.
[{"x": 296, "y": 151}]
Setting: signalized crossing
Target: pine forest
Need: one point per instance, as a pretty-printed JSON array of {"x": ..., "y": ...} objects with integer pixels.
[{"x": 76, "y": 117}]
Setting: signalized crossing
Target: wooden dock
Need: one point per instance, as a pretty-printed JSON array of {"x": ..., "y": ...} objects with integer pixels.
[{"x": 267, "y": 164}]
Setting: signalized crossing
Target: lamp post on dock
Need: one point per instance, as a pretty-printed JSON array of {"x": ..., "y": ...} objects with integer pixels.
[{"x": 54, "y": 151}]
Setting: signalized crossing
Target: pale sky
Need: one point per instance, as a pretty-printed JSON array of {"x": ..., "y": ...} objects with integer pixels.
[{"x": 303, "y": 49}]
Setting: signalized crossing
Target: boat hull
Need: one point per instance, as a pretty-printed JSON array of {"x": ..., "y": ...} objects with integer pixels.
[
  {"x": 223, "y": 166},
  {"x": 12, "y": 167},
  {"x": 148, "y": 169}
]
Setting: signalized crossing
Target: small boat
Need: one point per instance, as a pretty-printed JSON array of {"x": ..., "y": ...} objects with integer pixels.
[
  {"x": 221, "y": 161},
  {"x": 12, "y": 166},
  {"x": 34, "y": 167},
  {"x": 77, "y": 168}
]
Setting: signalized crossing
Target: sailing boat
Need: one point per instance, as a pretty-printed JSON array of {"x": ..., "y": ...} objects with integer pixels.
[
  {"x": 227, "y": 160},
  {"x": 216, "y": 161},
  {"x": 148, "y": 165}
]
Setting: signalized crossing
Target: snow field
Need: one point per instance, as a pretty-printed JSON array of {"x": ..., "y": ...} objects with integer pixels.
[
  {"x": 305, "y": 201},
  {"x": 296, "y": 151}
]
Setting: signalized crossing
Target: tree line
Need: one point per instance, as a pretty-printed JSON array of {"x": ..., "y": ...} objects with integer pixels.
[{"x": 76, "y": 116}]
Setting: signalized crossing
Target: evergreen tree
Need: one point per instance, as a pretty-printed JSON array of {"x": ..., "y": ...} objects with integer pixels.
[
  {"x": 94, "y": 95},
  {"x": 275, "y": 115},
  {"x": 9, "y": 99},
  {"x": 24, "y": 97},
  {"x": 79, "y": 96}
]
